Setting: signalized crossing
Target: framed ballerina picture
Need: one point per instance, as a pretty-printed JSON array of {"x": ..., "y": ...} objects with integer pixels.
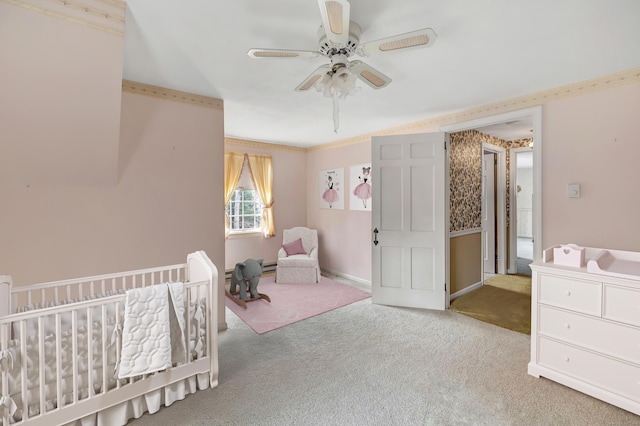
[
  {"x": 360, "y": 187},
  {"x": 331, "y": 185}
]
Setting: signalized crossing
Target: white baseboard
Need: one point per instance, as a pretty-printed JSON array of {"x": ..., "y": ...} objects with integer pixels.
[
  {"x": 466, "y": 290},
  {"x": 347, "y": 276}
]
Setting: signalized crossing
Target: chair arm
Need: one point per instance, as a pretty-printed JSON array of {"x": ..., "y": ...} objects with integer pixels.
[
  {"x": 313, "y": 253},
  {"x": 281, "y": 253}
]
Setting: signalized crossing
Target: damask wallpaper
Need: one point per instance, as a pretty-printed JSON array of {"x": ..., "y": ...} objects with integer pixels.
[{"x": 465, "y": 174}]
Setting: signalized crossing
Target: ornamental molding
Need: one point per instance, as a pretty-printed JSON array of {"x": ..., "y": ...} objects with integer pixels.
[
  {"x": 103, "y": 15},
  {"x": 171, "y": 95},
  {"x": 262, "y": 145}
]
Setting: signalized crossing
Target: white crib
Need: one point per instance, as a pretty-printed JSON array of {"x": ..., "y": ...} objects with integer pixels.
[{"x": 60, "y": 344}]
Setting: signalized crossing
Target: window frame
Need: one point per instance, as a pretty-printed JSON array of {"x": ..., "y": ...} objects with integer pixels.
[{"x": 258, "y": 209}]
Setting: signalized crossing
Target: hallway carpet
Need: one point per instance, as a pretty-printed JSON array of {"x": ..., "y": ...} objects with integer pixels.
[{"x": 504, "y": 300}]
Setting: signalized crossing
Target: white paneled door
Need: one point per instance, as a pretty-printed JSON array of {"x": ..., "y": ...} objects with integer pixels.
[{"x": 410, "y": 220}]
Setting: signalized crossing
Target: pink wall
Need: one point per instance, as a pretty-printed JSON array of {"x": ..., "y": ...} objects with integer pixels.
[
  {"x": 163, "y": 206},
  {"x": 94, "y": 180},
  {"x": 592, "y": 140},
  {"x": 344, "y": 235},
  {"x": 59, "y": 100},
  {"x": 289, "y": 180}
]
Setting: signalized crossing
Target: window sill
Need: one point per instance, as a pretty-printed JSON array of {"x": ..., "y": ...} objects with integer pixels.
[{"x": 244, "y": 234}]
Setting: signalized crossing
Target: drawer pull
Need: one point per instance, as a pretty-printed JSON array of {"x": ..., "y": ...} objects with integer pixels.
[
  {"x": 566, "y": 358},
  {"x": 567, "y": 292}
]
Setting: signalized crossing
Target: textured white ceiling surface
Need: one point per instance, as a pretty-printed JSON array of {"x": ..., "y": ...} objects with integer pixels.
[{"x": 486, "y": 51}]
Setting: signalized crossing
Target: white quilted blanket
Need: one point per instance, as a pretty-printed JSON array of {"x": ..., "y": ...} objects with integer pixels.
[{"x": 150, "y": 316}]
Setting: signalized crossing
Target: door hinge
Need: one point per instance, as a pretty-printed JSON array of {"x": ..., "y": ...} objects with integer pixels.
[
  {"x": 445, "y": 286},
  {"x": 445, "y": 145}
]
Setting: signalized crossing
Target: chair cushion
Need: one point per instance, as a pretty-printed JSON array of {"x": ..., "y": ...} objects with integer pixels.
[
  {"x": 297, "y": 261},
  {"x": 294, "y": 247}
]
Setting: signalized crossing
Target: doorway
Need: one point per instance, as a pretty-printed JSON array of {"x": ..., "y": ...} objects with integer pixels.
[{"x": 528, "y": 123}]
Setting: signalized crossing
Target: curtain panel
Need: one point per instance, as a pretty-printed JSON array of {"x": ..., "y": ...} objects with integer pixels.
[
  {"x": 262, "y": 175},
  {"x": 233, "y": 162}
]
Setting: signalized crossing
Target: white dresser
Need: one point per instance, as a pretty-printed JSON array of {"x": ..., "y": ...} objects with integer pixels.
[{"x": 585, "y": 328}]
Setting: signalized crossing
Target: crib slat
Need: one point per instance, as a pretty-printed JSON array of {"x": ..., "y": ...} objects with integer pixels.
[
  {"x": 105, "y": 359},
  {"x": 41, "y": 361},
  {"x": 23, "y": 369},
  {"x": 187, "y": 299},
  {"x": 58, "y": 361},
  {"x": 89, "y": 352},
  {"x": 119, "y": 327},
  {"x": 74, "y": 358}
]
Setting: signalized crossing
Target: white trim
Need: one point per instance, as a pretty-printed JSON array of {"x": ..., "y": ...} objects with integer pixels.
[
  {"x": 347, "y": 276},
  {"x": 467, "y": 289},
  {"x": 470, "y": 231},
  {"x": 244, "y": 234},
  {"x": 501, "y": 203},
  {"x": 513, "y": 197}
]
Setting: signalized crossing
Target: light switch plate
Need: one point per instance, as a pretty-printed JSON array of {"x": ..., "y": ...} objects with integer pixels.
[{"x": 573, "y": 190}]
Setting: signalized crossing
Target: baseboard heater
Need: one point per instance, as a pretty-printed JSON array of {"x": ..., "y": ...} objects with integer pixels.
[{"x": 267, "y": 267}]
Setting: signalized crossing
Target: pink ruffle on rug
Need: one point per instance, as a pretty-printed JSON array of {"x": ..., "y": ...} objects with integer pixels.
[{"x": 291, "y": 303}]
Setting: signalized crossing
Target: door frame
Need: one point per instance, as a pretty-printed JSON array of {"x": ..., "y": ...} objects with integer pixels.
[
  {"x": 535, "y": 114},
  {"x": 501, "y": 205},
  {"x": 513, "y": 219}
]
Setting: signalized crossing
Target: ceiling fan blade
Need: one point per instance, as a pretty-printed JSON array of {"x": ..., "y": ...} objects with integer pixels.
[
  {"x": 369, "y": 75},
  {"x": 281, "y": 53},
  {"x": 335, "y": 20},
  {"x": 415, "y": 39},
  {"x": 313, "y": 78}
]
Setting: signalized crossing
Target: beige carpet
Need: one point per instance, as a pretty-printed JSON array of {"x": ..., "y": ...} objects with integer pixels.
[
  {"x": 504, "y": 300},
  {"x": 376, "y": 365}
]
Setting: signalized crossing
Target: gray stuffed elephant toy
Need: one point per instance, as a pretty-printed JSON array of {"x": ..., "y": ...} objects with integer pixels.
[{"x": 249, "y": 272}]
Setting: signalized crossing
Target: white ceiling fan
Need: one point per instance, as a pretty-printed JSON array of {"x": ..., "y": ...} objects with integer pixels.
[{"x": 339, "y": 39}]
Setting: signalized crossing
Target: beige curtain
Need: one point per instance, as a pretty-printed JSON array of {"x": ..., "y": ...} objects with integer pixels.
[
  {"x": 233, "y": 162},
  {"x": 262, "y": 175}
]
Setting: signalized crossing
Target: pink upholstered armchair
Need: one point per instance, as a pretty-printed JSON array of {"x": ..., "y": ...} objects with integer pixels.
[{"x": 298, "y": 260}]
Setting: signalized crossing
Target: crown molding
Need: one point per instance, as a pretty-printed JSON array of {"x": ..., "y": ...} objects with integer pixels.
[
  {"x": 172, "y": 95},
  {"x": 527, "y": 101},
  {"x": 103, "y": 15},
  {"x": 262, "y": 145}
]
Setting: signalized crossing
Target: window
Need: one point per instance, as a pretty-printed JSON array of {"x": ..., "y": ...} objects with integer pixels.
[
  {"x": 248, "y": 188},
  {"x": 245, "y": 210}
]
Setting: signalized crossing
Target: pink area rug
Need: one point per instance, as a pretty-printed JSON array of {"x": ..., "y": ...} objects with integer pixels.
[{"x": 291, "y": 303}]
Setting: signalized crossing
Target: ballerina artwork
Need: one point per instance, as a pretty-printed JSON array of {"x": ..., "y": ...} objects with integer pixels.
[
  {"x": 330, "y": 194},
  {"x": 360, "y": 198},
  {"x": 330, "y": 189},
  {"x": 363, "y": 190}
]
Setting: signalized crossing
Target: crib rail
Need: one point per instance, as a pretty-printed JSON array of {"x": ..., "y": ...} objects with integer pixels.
[
  {"x": 70, "y": 386},
  {"x": 55, "y": 292}
]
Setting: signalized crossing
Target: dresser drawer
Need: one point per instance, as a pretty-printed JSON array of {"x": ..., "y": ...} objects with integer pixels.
[
  {"x": 609, "y": 338},
  {"x": 614, "y": 376},
  {"x": 576, "y": 295},
  {"x": 622, "y": 304}
]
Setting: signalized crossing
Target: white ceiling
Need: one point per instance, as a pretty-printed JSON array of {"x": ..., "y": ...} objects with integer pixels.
[{"x": 486, "y": 51}]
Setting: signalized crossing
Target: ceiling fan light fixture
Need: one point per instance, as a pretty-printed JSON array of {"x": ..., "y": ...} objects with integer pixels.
[{"x": 419, "y": 40}]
